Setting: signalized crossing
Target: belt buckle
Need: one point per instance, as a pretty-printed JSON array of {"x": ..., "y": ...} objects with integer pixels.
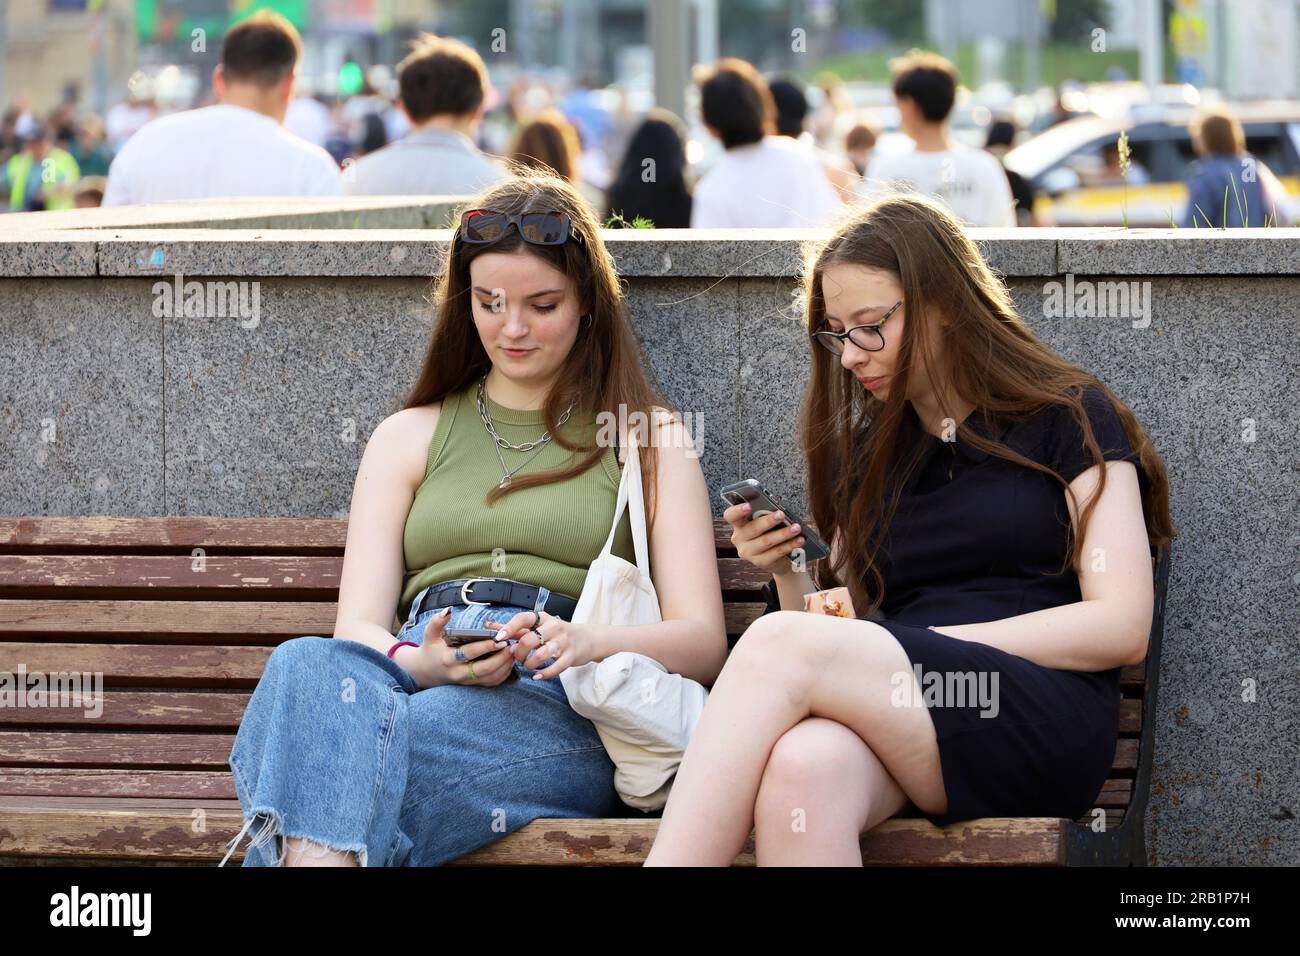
[{"x": 465, "y": 598}]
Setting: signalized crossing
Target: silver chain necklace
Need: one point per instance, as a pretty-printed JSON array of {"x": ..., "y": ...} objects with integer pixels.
[{"x": 498, "y": 442}]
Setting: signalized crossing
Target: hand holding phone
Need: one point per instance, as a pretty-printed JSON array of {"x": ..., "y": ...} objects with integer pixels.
[
  {"x": 767, "y": 535},
  {"x": 479, "y": 645}
]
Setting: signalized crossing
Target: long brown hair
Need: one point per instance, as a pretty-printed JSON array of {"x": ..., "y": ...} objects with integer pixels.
[
  {"x": 604, "y": 370},
  {"x": 995, "y": 362},
  {"x": 549, "y": 143}
]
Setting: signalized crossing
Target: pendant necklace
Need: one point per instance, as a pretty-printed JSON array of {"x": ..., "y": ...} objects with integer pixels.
[{"x": 499, "y": 442}]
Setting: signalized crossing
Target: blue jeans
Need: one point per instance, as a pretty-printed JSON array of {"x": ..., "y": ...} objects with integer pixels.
[{"x": 340, "y": 746}]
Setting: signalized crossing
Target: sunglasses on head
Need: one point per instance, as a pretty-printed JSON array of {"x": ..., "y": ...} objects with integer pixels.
[{"x": 539, "y": 228}]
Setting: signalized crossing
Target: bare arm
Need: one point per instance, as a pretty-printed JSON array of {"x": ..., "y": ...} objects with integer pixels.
[
  {"x": 791, "y": 586},
  {"x": 1110, "y": 626},
  {"x": 373, "y": 563},
  {"x": 692, "y": 637}
]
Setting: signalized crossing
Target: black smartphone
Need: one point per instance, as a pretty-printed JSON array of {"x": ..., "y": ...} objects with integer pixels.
[
  {"x": 459, "y": 636},
  {"x": 751, "y": 490}
]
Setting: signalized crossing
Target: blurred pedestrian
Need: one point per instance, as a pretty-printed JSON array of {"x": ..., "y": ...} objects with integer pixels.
[
  {"x": 10, "y": 141},
  {"x": 968, "y": 181},
  {"x": 127, "y": 118},
  {"x": 1228, "y": 187},
  {"x": 651, "y": 180},
  {"x": 374, "y": 135},
  {"x": 825, "y": 117},
  {"x": 237, "y": 147},
  {"x": 548, "y": 142},
  {"x": 41, "y": 175},
  {"x": 90, "y": 146},
  {"x": 762, "y": 180},
  {"x": 310, "y": 119},
  {"x": 442, "y": 84},
  {"x": 90, "y": 191},
  {"x": 1113, "y": 173},
  {"x": 858, "y": 144},
  {"x": 791, "y": 117},
  {"x": 1001, "y": 136}
]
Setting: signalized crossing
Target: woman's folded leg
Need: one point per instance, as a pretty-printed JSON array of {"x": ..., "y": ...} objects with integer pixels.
[{"x": 322, "y": 751}]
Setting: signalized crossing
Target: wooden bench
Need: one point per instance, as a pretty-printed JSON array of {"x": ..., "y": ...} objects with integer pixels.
[{"x": 180, "y": 614}]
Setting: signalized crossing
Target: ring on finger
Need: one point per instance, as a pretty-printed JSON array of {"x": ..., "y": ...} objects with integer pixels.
[
  {"x": 460, "y": 655},
  {"x": 470, "y": 664}
]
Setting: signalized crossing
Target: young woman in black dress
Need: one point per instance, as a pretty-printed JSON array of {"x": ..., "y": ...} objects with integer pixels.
[{"x": 991, "y": 509}]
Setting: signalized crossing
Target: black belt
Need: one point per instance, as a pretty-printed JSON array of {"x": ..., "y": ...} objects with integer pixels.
[{"x": 502, "y": 591}]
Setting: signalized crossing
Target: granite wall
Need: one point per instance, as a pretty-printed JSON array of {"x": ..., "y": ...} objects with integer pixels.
[{"x": 107, "y": 407}]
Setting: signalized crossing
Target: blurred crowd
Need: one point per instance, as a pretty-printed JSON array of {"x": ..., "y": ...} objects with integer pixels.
[{"x": 442, "y": 129}]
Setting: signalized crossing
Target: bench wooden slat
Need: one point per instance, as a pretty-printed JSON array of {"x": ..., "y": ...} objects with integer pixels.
[
  {"x": 106, "y": 749},
  {"x": 1130, "y": 717},
  {"x": 188, "y": 665},
  {"x": 153, "y": 620},
  {"x": 737, "y": 574},
  {"x": 160, "y": 710},
  {"x": 297, "y": 535},
  {"x": 124, "y": 534},
  {"x": 48, "y": 747},
  {"x": 1115, "y": 793},
  {"x": 71, "y": 575},
  {"x": 219, "y": 785},
  {"x": 157, "y": 620},
  {"x": 103, "y": 782},
  {"x": 990, "y": 841},
  {"x": 165, "y": 709},
  {"x": 1126, "y": 756},
  {"x": 161, "y": 828}
]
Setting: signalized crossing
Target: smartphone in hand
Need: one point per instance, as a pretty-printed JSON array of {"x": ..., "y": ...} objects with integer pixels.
[
  {"x": 751, "y": 490},
  {"x": 459, "y": 636},
  {"x": 456, "y": 636}
]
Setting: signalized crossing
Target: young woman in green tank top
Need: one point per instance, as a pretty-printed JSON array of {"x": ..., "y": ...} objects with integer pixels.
[{"x": 494, "y": 482}]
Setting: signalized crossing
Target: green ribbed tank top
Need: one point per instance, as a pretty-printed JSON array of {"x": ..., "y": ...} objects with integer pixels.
[{"x": 547, "y": 535}]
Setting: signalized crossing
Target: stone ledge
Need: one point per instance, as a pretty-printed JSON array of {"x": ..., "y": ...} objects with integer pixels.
[
  {"x": 666, "y": 253},
  {"x": 254, "y": 212},
  {"x": 47, "y": 254}
]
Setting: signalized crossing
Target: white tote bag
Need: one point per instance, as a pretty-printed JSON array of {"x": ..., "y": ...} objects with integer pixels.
[{"x": 644, "y": 715}]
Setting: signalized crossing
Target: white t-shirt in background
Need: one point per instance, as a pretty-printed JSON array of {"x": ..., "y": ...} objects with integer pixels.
[
  {"x": 308, "y": 118},
  {"x": 773, "y": 183},
  {"x": 971, "y": 182},
  {"x": 214, "y": 152}
]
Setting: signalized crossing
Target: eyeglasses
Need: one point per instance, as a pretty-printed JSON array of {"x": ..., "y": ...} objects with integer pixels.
[
  {"x": 539, "y": 228},
  {"x": 866, "y": 337}
]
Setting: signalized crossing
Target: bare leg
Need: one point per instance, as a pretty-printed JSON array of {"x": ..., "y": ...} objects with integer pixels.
[
  {"x": 304, "y": 852},
  {"x": 788, "y": 666},
  {"x": 822, "y": 788}
]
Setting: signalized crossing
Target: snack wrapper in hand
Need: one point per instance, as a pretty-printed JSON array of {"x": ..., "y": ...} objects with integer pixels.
[{"x": 835, "y": 602}]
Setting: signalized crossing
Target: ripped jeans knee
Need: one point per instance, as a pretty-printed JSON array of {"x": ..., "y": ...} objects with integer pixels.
[{"x": 272, "y": 827}]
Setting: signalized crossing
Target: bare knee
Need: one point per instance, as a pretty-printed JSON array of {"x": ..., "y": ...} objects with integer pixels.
[
  {"x": 776, "y": 647},
  {"x": 817, "y": 766},
  {"x": 768, "y": 632}
]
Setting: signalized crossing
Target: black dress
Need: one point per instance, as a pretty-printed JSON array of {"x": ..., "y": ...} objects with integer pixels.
[{"x": 977, "y": 539}]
